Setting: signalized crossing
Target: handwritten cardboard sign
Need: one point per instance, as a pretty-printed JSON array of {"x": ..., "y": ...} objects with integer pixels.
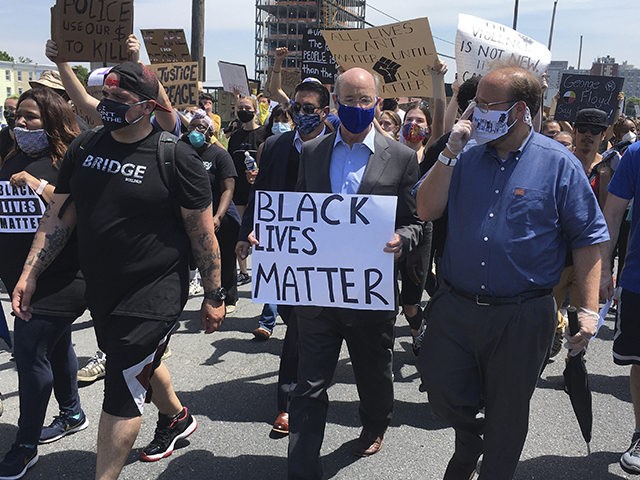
[
  {"x": 587, "y": 91},
  {"x": 324, "y": 249},
  {"x": 317, "y": 61},
  {"x": 482, "y": 45},
  {"x": 166, "y": 45},
  {"x": 234, "y": 77},
  {"x": 20, "y": 209},
  {"x": 92, "y": 31},
  {"x": 180, "y": 80},
  {"x": 400, "y": 54}
]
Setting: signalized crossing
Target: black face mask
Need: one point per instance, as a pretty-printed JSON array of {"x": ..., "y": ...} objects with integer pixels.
[
  {"x": 10, "y": 117},
  {"x": 245, "y": 115}
]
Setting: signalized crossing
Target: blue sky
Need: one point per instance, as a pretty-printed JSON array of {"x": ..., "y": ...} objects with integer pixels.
[{"x": 608, "y": 27}]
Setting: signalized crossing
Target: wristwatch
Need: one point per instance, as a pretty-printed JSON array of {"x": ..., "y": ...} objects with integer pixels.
[{"x": 217, "y": 295}]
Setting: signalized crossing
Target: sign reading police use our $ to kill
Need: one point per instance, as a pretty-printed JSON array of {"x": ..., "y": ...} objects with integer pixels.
[{"x": 324, "y": 250}]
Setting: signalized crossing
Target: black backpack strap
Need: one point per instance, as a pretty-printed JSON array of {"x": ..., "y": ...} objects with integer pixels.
[{"x": 167, "y": 159}]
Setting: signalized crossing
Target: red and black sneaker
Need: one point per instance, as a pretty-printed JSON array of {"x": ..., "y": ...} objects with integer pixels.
[{"x": 168, "y": 431}]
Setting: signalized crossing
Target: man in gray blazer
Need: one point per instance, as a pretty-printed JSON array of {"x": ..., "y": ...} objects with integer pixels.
[{"x": 354, "y": 159}]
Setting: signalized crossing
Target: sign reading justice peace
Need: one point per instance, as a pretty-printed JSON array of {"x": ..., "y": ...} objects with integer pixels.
[
  {"x": 324, "y": 249},
  {"x": 400, "y": 54}
]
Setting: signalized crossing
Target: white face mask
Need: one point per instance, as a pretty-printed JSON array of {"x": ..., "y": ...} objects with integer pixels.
[
  {"x": 491, "y": 125},
  {"x": 629, "y": 137}
]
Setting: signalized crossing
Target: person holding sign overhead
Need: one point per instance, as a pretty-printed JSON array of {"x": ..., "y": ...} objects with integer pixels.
[
  {"x": 516, "y": 202},
  {"x": 354, "y": 159},
  {"x": 44, "y": 126}
]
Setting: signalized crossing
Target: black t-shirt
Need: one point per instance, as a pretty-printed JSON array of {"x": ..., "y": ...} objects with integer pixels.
[
  {"x": 133, "y": 247},
  {"x": 219, "y": 165},
  {"x": 244, "y": 141},
  {"x": 60, "y": 288},
  {"x": 6, "y": 142}
]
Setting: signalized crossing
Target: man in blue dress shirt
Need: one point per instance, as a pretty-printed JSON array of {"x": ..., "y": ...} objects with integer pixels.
[{"x": 516, "y": 202}]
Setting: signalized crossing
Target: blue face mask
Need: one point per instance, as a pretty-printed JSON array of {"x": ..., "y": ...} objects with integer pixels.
[
  {"x": 280, "y": 127},
  {"x": 196, "y": 138},
  {"x": 306, "y": 122},
  {"x": 355, "y": 119}
]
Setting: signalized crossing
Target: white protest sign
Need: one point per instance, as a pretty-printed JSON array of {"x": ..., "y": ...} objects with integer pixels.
[
  {"x": 20, "y": 209},
  {"x": 482, "y": 45},
  {"x": 324, "y": 249},
  {"x": 234, "y": 77}
]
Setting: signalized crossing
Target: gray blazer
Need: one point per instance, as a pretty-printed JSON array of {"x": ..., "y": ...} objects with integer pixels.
[{"x": 391, "y": 170}]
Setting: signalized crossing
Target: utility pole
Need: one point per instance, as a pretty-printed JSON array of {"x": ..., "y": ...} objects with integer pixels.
[
  {"x": 515, "y": 15},
  {"x": 580, "y": 53},
  {"x": 197, "y": 36},
  {"x": 553, "y": 19}
]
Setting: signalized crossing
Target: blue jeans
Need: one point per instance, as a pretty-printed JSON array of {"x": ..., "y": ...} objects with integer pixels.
[
  {"x": 45, "y": 360},
  {"x": 268, "y": 316}
]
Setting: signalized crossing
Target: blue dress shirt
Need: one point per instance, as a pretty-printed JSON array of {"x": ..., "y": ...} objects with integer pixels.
[
  {"x": 348, "y": 163},
  {"x": 511, "y": 222}
]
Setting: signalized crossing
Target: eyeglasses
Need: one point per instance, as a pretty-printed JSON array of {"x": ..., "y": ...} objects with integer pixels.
[
  {"x": 365, "y": 101},
  {"x": 594, "y": 130},
  {"x": 485, "y": 107},
  {"x": 307, "y": 108},
  {"x": 244, "y": 109},
  {"x": 200, "y": 128}
]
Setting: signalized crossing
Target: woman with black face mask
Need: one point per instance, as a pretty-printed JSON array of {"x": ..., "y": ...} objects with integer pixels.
[
  {"x": 6, "y": 134},
  {"x": 245, "y": 139}
]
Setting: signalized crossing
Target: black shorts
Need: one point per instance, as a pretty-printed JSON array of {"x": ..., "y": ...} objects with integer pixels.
[
  {"x": 626, "y": 342},
  {"x": 134, "y": 347}
]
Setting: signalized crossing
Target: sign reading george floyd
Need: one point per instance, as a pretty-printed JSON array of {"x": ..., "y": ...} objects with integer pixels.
[
  {"x": 317, "y": 61},
  {"x": 311, "y": 250},
  {"x": 20, "y": 209},
  {"x": 166, "y": 45},
  {"x": 400, "y": 54},
  {"x": 92, "y": 30},
  {"x": 180, "y": 81},
  {"x": 481, "y": 45},
  {"x": 587, "y": 91}
]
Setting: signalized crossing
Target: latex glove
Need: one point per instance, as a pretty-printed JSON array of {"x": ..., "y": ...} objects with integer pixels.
[
  {"x": 588, "y": 321},
  {"x": 461, "y": 132}
]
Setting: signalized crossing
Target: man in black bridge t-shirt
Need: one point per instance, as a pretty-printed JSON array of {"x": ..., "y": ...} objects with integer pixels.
[{"x": 135, "y": 232}]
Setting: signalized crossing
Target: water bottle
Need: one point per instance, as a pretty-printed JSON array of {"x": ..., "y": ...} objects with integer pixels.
[{"x": 249, "y": 162}]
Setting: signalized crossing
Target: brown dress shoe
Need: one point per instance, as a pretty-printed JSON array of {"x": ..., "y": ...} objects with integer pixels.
[
  {"x": 281, "y": 425},
  {"x": 369, "y": 443}
]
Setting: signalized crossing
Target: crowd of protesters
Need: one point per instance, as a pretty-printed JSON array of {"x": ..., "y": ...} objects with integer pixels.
[{"x": 499, "y": 217}]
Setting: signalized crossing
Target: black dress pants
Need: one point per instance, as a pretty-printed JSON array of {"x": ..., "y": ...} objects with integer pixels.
[{"x": 369, "y": 337}]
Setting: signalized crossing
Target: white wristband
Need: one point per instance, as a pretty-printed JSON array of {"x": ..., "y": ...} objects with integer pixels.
[
  {"x": 40, "y": 189},
  {"x": 449, "y": 162}
]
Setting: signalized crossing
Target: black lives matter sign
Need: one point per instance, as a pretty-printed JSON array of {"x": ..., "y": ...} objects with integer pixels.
[
  {"x": 20, "y": 209},
  {"x": 587, "y": 91},
  {"x": 92, "y": 30},
  {"x": 317, "y": 61}
]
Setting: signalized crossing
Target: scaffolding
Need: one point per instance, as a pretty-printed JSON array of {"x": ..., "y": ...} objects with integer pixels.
[{"x": 281, "y": 23}]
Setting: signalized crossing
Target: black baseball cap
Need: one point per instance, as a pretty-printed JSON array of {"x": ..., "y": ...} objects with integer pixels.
[
  {"x": 592, "y": 116},
  {"x": 137, "y": 78}
]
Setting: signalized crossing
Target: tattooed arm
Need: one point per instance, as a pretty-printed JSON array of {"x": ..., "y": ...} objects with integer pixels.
[
  {"x": 51, "y": 237},
  {"x": 206, "y": 252}
]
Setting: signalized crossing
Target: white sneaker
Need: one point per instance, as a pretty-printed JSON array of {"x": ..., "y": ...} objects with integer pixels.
[
  {"x": 94, "y": 369},
  {"x": 195, "y": 288},
  {"x": 630, "y": 460}
]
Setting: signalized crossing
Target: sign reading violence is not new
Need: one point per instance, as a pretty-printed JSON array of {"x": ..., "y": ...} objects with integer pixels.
[
  {"x": 482, "y": 44},
  {"x": 324, "y": 249},
  {"x": 92, "y": 31},
  {"x": 587, "y": 91},
  {"x": 180, "y": 81},
  {"x": 20, "y": 209},
  {"x": 401, "y": 54}
]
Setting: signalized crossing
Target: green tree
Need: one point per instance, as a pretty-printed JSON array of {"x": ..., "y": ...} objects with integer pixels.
[
  {"x": 5, "y": 57},
  {"x": 24, "y": 60},
  {"x": 82, "y": 73}
]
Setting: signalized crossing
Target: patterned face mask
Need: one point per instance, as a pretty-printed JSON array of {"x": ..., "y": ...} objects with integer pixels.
[{"x": 31, "y": 141}]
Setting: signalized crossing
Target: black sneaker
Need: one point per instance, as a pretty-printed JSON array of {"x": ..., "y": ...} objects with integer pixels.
[
  {"x": 243, "y": 278},
  {"x": 17, "y": 461},
  {"x": 62, "y": 425},
  {"x": 168, "y": 431}
]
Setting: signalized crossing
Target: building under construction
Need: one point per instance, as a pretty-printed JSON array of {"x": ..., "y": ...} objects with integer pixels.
[{"x": 281, "y": 23}]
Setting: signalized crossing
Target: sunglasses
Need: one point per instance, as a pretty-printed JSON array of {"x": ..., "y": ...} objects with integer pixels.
[
  {"x": 307, "y": 108},
  {"x": 593, "y": 129}
]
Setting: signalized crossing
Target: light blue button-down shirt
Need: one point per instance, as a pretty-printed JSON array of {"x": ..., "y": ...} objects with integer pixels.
[{"x": 348, "y": 163}]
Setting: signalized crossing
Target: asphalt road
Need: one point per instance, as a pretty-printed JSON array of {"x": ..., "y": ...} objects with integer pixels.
[{"x": 227, "y": 379}]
